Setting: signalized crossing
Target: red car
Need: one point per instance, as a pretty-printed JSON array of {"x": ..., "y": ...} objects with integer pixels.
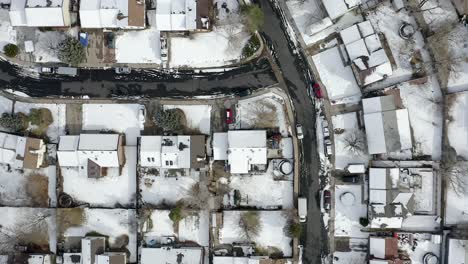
[
  {"x": 317, "y": 90},
  {"x": 229, "y": 119}
]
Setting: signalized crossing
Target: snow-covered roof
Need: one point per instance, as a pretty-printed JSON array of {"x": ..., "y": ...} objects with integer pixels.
[
  {"x": 18, "y": 151},
  {"x": 98, "y": 142},
  {"x": 377, "y": 247},
  {"x": 350, "y": 34},
  {"x": 335, "y": 8},
  {"x": 45, "y": 13},
  {"x": 176, "y": 15},
  {"x": 192, "y": 255},
  {"x": 220, "y": 146},
  {"x": 246, "y": 148},
  {"x": 111, "y": 14},
  {"x": 357, "y": 49},
  {"x": 69, "y": 143},
  {"x": 373, "y": 43},
  {"x": 457, "y": 251},
  {"x": 236, "y": 260},
  {"x": 378, "y": 178},
  {"x": 17, "y": 13},
  {"x": 150, "y": 151},
  {"x": 365, "y": 28}
]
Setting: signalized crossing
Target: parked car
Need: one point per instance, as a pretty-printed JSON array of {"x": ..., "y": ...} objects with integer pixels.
[
  {"x": 328, "y": 151},
  {"x": 326, "y": 132},
  {"x": 317, "y": 90},
  {"x": 326, "y": 200},
  {"x": 229, "y": 119},
  {"x": 70, "y": 71},
  {"x": 123, "y": 70},
  {"x": 48, "y": 70},
  {"x": 299, "y": 133},
  {"x": 302, "y": 209}
]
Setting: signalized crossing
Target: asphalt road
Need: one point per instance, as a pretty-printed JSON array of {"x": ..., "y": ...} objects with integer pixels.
[{"x": 297, "y": 80}]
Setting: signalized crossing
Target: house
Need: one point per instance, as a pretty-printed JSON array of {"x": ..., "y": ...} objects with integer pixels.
[
  {"x": 91, "y": 153},
  {"x": 40, "y": 13},
  {"x": 249, "y": 260},
  {"x": 90, "y": 247},
  {"x": 112, "y": 258},
  {"x": 387, "y": 128},
  {"x": 182, "y": 15},
  {"x": 125, "y": 14},
  {"x": 93, "y": 252},
  {"x": 173, "y": 152},
  {"x": 243, "y": 149},
  {"x": 337, "y": 8},
  {"x": 383, "y": 247},
  {"x": 21, "y": 152},
  {"x": 369, "y": 61},
  {"x": 164, "y": 255},
  {"x": 457, "y": 251}
]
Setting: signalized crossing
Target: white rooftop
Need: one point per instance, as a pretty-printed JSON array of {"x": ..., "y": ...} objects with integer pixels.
[
  {"x": 246, "y": 148},
  {"x": 377, "y": 247},
  {"x": 104, "y": 13},
  {"x": 171, "y": 255},
  {"x": 457, "y": 251},
  {"x": 176, "y": 15},
  {"x": 98, "y": 141},
  {"x": 220, "y": 146}
]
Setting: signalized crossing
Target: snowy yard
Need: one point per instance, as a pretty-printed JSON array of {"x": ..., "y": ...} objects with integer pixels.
[
  {"x": 355, "y": 257},
  {"x": 423, "y": 102},
  {"x": 271, "y": 234},
  {"x": 264, "y": 111},
  {"x": 348, "y": 209},
  {"x": 458, "y": 41},
  {"x": 7, "y": 33},
  {"x": 58, "y": 111},
  {"x": 46, "y": 46},
  {"x": 457, "y": 126},
  {"x": 197, "y": 117},
  {"x": 456, "y": 211},
  {"x": 108, "y": 191},
  {"x": 193, "y": 228},
  {"x": 163, "y": 190},
  {"x": 121, "y": 118},
  {"x": 422, "y": 244},
  {"x": 147, "y": 41},
  {"x": 118, "y": 225},
  {"x": 347, "y": 127},
  {"x": 274, "y": 193}
]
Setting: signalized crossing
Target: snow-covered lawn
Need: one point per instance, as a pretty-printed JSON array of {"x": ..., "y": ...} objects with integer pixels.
[
  {"x": 121, "y": 118},
  {"x": 264, "y": 111},
  {"x": 20, "y": 188},
  {"x": 112, "y": 223},
  {"x": 34, "y": 227},
  {"x": 348, "y": 209},
  {"x": 271, "y": 234},
  {"x": 157, "y": 190},
  {"x": 5, "y": 105},
  {"x": 107, "y": 191},
  {"x": 458, "y": 43},
  {"x": 355, "y": 257},
  {"x": 457, "y": 125},
  {"x": 438, "y": 12},
  {"x": 456, "y": 205},
  {"x": 193, "y": 228},
  {"x": 274, "y": 193},
  {"x": 147, "y": 41},
  {"x": 198, "y": 117},
  {"x": 348, "y": 123},
  {"x": 423, "y": 102},
  {"x": 58, "y": 111},
  {"x": 7, "y": 33},
  {"x": 46, "y": 46}
]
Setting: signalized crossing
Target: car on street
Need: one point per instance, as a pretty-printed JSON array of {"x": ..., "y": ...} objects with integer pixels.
[
  {"x": 123, "y": 70},
  {"x": 229, "y": 119},
  {"x": 48, "y": 70},
  {"x": 317, "y": 90},
  {"x": 326, "y": 200},
  {"x": 299, "y": 133},
  {"x": 302, "y": 209}
]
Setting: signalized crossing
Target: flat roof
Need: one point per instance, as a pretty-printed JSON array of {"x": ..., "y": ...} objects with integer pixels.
[{"x": 98, "y": 141}]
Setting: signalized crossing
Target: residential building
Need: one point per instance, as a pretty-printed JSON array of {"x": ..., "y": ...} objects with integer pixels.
[
  {"x": 21, "y": 152},
  {"x": 173, "y": 152},
  {"x": 125, "y": 14},
  {"x": 243, "y": 149},
  {"x": 182, "y": 15},
  {"x": 337, "y": 8},
  {"x": 40, "y": 13},
  {"x": 383, "y": 248},
  {"x": 387, "y": 127},
  {"x": 93, "y": 252},
  {"x": 164, "y": 255},
  {"x": 91, "y": 153},
  {"x": 90, "y": 247}
]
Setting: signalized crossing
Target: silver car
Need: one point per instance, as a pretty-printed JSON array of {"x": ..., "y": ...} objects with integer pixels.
[
  {"x": 299, "y": 133},
  {"x": 123, "y": 70}
]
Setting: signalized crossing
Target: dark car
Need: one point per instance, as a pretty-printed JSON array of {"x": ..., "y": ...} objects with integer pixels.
[
  {"x": 326, "y": 200},
  {"x": 317, "y": 90},
  {"x": 229, "y": 119}
]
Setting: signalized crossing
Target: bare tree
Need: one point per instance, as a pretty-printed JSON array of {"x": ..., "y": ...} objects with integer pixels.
[
  {"x": 455, "y": 174},
  {"x": 235, "y": 30},
  {"x": 355, "y": 142},
  {"x": 250, "y": 223}
]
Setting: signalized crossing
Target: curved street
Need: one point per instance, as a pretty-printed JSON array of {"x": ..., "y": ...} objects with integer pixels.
[{"x": 147, "y": 83}]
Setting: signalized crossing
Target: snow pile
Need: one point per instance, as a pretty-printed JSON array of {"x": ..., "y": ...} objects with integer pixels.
[
  {"x": 198, "y": 117},
  {"x": 108, "y": 191},
  {"x": 121, "y": 118},
  {"x": 147, "y": 41},
  {"x": 271, "y": 232},
  {"x": 252, "y": 110},
  {"x": 348, "y": 209},
  {"x": 348, "y": 123},
  {"x": 7, "y": 33},
  {"x": 423, "y": 102},
  {"x": 112, "y": 223}
]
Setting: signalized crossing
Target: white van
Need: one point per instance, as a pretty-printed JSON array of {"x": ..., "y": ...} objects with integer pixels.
[{"x": 302, "y": 209}]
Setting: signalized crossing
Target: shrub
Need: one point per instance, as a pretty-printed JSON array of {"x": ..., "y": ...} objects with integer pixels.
[
  {"x": 15, "y": 122},
  {"x": 40, "y": 117},
  {"x": 169, "y": 119},
  {"x": 254, "y": 17},
  {"x": 176, "y": 214},
  {"x": 11, "y": 50},
  {"x": 250, "y": 222},
  {"x": 363, "y": 221},
  {"x": 71, "y": 51},
  {"x": 294, "y": 229},
  {"x": 251, "y": 47}
]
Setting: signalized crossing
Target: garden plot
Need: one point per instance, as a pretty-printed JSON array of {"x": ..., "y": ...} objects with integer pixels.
[
  {"x": 58, "y": 112},
  {"x": 348, "y": 209},
  {"x": 271, "y": 235},
  {"x": 109, "y": 191},
  {"x": 346, "y": 130},
  {"x": 423, "y": 102},
  {"x": 264, "y": 111},
  {"x": 275, "y": 193},
  {"x": 457, "y": 125},
  {"x": 147, "y": 41},
  {"x": 34, "y": 188},
  {"x": 157, "y": 189},
  {"x": 34, "y": 227},
  {"x": 120, "y": 118},
  {"x": 119, "y": 226},
  {"x": 197, "y": 117},
  {"x": 193, "y": 228}
]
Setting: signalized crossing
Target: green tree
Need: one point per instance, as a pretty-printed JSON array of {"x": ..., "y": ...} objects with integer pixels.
[
  {"x": 253, "y": 16},
  {"x": 15, "y": 122},
  {"x": 176, "y": 214},
  {"x": 169, "y": 119},
  {"x": 11, "y": 50},
  {"x": 71, "y": 51}
]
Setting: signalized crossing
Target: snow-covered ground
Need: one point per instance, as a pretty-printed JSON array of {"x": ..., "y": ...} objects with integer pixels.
[
  {"x": 438, "y": 12},
  {"x": 198, "y": 117},
  {"x": 420, "y": 246},
  {"x": 264, "y": 111},
  {"x": 273, "y": 193},
  {"x": 456, "y": 206},
  {"x": 121, "y": 118},
  {"x": 458, "y": 43},
  {"x": 193, "y": 228},
  {"x": 271, "y": 232},
  {"x": 46, "y": 46},
  {"x": 108, "y": 191},
  {"x": 348, "y": 209},
  {"x": 58, "y": 111},
  {"x": 147, "y": 41},
  {"x": 5, "y": 105},
  {"x": 7, "y": 33},
  {"x": 354, "y": 257},
  {"x": 157, "y": 190},
  {"x": 343, "y": 156},
  {"x": 423, "y": 102},
  {"x": 112, "y": 223},
  {"x": 457, "y": 126}
]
